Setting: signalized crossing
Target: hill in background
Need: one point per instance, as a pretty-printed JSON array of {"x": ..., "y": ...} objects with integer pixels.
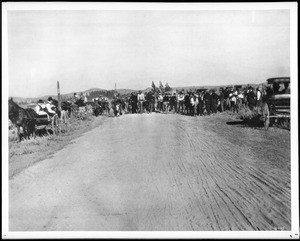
[{"x": 96, "y": 92}]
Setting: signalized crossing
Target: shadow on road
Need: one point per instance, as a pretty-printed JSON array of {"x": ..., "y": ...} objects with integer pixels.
[{"x": 243, "y": 123}]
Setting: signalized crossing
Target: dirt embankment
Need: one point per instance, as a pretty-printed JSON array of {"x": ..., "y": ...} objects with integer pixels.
[{"x": 159, "y": 172}]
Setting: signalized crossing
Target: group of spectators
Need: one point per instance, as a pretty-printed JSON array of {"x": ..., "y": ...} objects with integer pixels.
[{"x": 198, "y": 102}]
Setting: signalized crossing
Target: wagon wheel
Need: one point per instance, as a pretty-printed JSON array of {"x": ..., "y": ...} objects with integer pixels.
[
  {"x": 55, "y": 125},
  {"x": 266, "y": 116}
]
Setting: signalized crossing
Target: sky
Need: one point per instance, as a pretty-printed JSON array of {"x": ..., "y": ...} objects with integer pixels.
[{"x": 96, "y": 49}]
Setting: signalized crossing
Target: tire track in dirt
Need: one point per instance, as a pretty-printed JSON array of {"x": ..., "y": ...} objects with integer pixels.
[{"x": 157, "y": 172}]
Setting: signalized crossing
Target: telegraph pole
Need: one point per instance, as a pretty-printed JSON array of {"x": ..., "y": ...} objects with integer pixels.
[{"x": 58, "y": 96}]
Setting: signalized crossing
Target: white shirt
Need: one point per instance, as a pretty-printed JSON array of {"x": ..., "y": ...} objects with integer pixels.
[
  {"x": 39, "y": 109},
  {"x": 141, "y": 97},
  {"x": 192, "y": 101},
  {"x": 258, "y": 94},
  {"x": 180, "y": 97},
  {"x": 48, "y": 106}
]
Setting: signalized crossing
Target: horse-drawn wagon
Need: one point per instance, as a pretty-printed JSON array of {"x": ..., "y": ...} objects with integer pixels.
[
  {"x": 46, "y": 124},
  {"x": 276, "y": 102}
]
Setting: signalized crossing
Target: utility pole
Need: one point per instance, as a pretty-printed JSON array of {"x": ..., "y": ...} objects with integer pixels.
[{"x": 58, "y": 96}]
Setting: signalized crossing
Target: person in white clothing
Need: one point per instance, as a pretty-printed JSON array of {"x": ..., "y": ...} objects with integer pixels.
[
  {"x": 180, "y": 108},
  {"x": 141, "y": 99},
  {"x": 259, "y": 97},
  {"x": 40, "y": 109}
]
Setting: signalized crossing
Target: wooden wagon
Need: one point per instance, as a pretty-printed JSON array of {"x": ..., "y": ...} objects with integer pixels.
[{"x": 43, "y": 123}]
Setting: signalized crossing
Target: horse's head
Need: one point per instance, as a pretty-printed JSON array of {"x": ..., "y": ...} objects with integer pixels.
[
  {"x": 13, "y": 110},
  {"x": 12, "y": 106}
]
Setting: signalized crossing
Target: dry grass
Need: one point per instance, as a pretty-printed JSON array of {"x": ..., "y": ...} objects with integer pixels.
[{"x": 246, "y": 114}]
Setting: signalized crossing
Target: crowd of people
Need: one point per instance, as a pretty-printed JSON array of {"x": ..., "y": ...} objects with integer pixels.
[{"x": 201, "y": 102}]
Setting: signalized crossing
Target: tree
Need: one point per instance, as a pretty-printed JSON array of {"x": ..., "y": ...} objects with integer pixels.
[
  {"x": 161, "y": 87},
  {"x": 167, "y": 87},
  {"x": 153, "y": 87}
]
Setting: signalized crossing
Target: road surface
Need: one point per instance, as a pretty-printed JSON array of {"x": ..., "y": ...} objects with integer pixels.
[{"x": 159, "y": 172}]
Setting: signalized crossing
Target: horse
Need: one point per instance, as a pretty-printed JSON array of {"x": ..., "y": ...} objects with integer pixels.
[{"x": 22, "y": 118}]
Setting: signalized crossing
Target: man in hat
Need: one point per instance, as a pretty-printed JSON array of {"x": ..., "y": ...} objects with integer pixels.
[
  {"x": 251, "y": 99},
  {"x": 207, "y": 101}
]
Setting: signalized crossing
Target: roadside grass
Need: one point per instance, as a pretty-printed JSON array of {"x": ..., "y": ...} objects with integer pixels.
[
  {"x": 29, "y": 151},
  {"x": 250, "y": 117}
]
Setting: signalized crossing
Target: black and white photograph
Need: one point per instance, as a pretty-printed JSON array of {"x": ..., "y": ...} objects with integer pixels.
[{"x": 150, "y": 120}]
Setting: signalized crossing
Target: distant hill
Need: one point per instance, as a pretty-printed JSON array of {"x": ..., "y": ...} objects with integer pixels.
[{"x": 95, "y": 92}]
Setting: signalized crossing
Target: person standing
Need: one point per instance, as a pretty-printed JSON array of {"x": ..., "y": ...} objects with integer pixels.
[
  {"x": 187, "y": 103},
  {"x": 75, "y": 97},
  {"x": 180, "y": 102},
  {"x": 227, "y": 99},
  {"x": 240, "y": 99},
  {"x": 200, "y": 103},
  {"x": 160, "y": 102},
  {"x": 214, "y": 101},
  {"x": 151, "y": 100},
  {"x": 173, "y": 102},
  {"x": 251, "y": 98},
  {"x": 141, "y": 99},
  {"x": 195, "y": 103},
  {"x": 133, "y": 101},
  {"x": 222, "y": 98},
  {"x": 259, "y": 97},
  {"x": 85, "y": 98},
  {"x": 166, "y": 102},
  {"x": 233, "y": 97},
  {"x": 207, "y": 101}
]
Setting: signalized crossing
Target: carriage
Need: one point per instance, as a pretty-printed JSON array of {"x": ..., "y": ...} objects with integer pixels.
[
  {"x": 45, "y": 124},
  {"x": 276, "y": 101}
]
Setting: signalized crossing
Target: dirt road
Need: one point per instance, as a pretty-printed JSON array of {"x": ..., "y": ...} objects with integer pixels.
[{"x": 154, "y": 172}]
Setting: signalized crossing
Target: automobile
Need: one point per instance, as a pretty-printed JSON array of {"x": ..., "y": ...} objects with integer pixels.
[{"x": 276, "y": 101}]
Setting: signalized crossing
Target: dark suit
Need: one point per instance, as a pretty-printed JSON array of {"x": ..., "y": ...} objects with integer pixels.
[{"x": 207, "y": 100}]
